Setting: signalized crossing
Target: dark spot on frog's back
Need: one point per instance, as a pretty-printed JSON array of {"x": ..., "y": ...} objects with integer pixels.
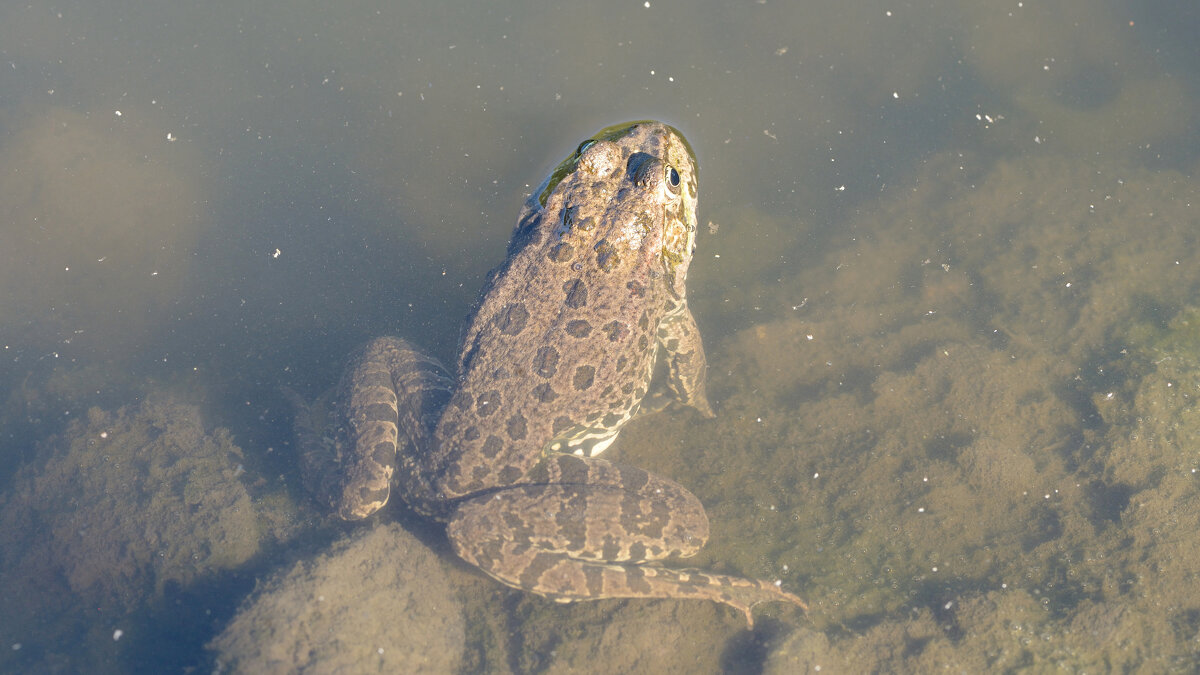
[
  {"x": 576, "y": 292},
  {"x": 562, "y": 423},
  {"x": 585, "y": 224},
  {"x": 561, "y": 253},
  {"x": 487, "y": 403},
  {"x": 492, "y": 446},
  {"x": 579, "y": 328},
  {"x": 511, "y": 474},
  {"x": 607, "y": 256},
  {"x": 544, "y": 392},
  {"x": 516, "y": 427},
  {"x": 545, "y": 362},
  {"x": 512, "y": 319},
  {"x": 615, "y": 330},
  {"x": 584, "y": 376}
]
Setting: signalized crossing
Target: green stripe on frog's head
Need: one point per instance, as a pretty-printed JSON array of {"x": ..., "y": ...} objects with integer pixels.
[{"x": 611, "y": 133}]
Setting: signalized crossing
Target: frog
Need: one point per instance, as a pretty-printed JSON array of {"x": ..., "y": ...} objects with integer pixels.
[{"x": 583, "y": 326}]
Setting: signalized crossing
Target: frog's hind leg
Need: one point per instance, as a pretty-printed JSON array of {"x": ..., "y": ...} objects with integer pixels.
[
  {"x": 390, "y": 398},
  {"x": 595, "y": 530}
]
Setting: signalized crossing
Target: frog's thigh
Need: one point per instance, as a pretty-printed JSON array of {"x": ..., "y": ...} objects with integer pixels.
[{"x": 560, "y": 540}]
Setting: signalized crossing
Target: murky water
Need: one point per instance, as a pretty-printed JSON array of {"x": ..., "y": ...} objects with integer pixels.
[{"x": 947, "y": 278}]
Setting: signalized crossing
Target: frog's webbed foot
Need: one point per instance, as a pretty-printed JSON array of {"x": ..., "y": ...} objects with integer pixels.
[
  {"x": 653, "y": 581},
  {"x": 744, "y": 594},
  {"x": 318, "y": 454}
]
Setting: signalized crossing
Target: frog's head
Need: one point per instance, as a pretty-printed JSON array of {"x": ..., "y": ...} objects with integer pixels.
[{"x": 629, "y": 193}]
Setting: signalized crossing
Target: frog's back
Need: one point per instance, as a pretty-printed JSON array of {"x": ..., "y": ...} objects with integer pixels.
[{"x": 563, "y": 339}]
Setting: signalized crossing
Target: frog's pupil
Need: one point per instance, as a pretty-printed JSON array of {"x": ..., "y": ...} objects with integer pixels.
[{"x": 673, "y": 176}]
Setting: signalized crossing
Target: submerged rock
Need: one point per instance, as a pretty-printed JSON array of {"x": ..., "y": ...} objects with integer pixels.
[
  {"x": 376, "y": 602},
  {"x": 114, "y": 511}
]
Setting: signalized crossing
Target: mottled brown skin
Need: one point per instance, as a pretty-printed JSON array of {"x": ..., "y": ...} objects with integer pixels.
[{"x": 560, "y": 352}]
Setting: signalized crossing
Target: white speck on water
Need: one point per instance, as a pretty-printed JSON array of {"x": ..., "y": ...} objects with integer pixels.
[{"x": 117, "y": 634}]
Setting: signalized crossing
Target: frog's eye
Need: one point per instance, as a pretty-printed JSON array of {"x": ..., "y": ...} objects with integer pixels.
[
  {"x": 584, "y": 146},
  {"x": 672, "y": 180}
]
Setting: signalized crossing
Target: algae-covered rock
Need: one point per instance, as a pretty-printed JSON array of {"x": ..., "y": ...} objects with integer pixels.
[
  {"x": 114, "y": 511},
  {"x": 377, "y": 602}
]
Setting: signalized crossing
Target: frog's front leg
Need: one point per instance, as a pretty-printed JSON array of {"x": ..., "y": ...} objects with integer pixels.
[
  {"x": 683, "y": 351},
  {"x": 586, "y": 529}
]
